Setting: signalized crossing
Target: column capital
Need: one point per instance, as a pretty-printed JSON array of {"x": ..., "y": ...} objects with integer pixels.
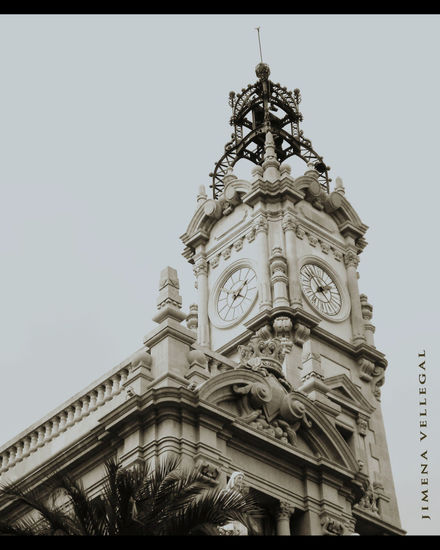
[
  {"x": 284, "y": 510},
  {"x": 260, "y": 223},
  {"x": 289, "y": 222},
  {"x": 351, "y": 259}
]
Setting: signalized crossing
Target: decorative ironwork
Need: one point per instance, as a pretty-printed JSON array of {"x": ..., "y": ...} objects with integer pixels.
[{"x": 253, "y": 115}]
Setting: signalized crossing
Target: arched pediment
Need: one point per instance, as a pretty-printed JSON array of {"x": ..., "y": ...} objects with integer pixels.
[
  {"x": 210, "y": 211},
  {"x": 334, "y": 204},
  {"x": 267, "y": 403}
]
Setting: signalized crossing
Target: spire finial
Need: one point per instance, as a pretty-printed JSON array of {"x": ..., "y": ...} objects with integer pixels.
[{"x": 259, "y": 43}]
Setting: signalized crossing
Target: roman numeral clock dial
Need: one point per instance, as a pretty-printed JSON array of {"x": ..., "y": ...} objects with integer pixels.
[
  {"x": 237, "y": 294},
  {"x": 320, "y": 289}
]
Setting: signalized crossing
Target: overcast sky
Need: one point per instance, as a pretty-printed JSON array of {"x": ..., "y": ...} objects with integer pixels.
[{"x": 109, "y": 125}]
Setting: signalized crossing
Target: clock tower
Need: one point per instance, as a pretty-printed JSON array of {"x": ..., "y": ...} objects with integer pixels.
[
  {"x": 286, "y": 332},
  {"x": 274, "y": 384}
]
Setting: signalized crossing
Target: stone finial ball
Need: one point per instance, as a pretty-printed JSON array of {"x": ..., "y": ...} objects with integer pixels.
[
  {"x": 262, "y": 71},
  {"x": 141, "y": 357},
  {"x": 196, "y": 356}
]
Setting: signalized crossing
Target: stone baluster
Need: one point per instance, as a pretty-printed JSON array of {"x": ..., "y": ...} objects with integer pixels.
[
  {"x": 4, "y": 462},
  {"x": 100, "y": 397},
  {"x": 47, "y": 431},
  {"x": 124, "y": 375},
  {"x": 40, "y": 440},
  {"x": 116, "y": 381},
  {"x": 77, "y": 411},
  {"x": 26, "y": 446},
  {"x": 34, "y": 441},
  {"x": 19, "y": 454},
  {"x": 86, "y": 404},
  {"x": 12, "y": 455},
  {"x": 93, "y": 400},
  {"x": 108, "y": 390},
  {"x": 70, "y": 415},
  {"x": 63, "y": 421},
  {"x": 55, "y": 426}
]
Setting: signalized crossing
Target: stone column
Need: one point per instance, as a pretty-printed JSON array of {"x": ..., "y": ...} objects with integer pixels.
[
  {"x": 201, "y": 273},
  {"x": 351, "y": 262},
  {"x": 289, "y": 227},
  {"x": 278, "y": 269},
  {"x": 261, "y": 238},
  {"x": 282, "y": 516},
  {"x": 367, "y": 315}
]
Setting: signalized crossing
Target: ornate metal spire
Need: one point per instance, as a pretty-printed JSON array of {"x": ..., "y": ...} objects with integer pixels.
[{"x": 253, "y": 116}]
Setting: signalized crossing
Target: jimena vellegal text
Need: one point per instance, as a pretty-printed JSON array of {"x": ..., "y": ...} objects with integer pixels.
[{"x": 423, "y": 431}]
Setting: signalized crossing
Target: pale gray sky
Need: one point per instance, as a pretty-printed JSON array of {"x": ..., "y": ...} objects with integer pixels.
[{"x": 109, "y": 124}]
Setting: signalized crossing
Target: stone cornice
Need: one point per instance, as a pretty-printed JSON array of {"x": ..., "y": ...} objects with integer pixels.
[
  {"x": 388, "y": 527},
  {"x": 363, "y": 350},
  {"x": 169, "y": 327},
  {"x": 273, "y": 192}
]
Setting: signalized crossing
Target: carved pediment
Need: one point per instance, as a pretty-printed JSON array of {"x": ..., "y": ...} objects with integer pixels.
[
  {"x": 258, "y": 399},
  {"x": 348, "y": 395}
]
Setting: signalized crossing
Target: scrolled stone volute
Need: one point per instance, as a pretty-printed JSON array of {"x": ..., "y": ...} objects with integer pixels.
[
  {"x": 293, "y": 410},
  {"x": 260, "y": 394},
  {"x": 212, "y": 208},
  {"x": 333, "y": 202}
]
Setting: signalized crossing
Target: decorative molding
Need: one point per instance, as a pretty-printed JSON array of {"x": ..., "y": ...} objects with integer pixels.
[
  {"x": 351, "y": 259},
  {"x": 260, "y": 223},
  {"x": 201, "y": 267},
  {"x": 332, "y": 526}
]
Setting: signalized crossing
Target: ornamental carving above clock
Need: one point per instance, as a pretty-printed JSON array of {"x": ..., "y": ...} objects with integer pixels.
[{"x": 323, "y": 291}]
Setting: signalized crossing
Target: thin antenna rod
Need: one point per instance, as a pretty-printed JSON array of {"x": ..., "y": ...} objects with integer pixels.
[{"x": 259, "y": 42}]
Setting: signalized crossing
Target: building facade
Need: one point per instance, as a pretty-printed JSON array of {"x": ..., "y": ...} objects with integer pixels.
[{"x": 273, "y": 373}]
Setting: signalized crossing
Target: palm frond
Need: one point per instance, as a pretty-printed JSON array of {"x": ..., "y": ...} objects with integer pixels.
[{"x": 56, "y": 519}]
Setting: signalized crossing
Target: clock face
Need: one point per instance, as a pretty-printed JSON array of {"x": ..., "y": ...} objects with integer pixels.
[
  {"x": 320, "y": 289},
  {"x": 237, "y": 294}
]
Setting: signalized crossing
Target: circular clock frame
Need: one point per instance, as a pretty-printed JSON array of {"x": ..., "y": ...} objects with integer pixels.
[
  {"x": 216, "y": 318},
  {"x": 345, "y": 305}
]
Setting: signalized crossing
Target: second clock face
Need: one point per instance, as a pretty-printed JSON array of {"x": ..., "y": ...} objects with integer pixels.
[
  {"x": 320, "y": 289},
  {"x": 237, "y": 294}
]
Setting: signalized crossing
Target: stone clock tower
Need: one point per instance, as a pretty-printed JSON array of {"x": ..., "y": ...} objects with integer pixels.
[
  {"x": 275, "y": 380},
  {"x": 275, "y": 260}
]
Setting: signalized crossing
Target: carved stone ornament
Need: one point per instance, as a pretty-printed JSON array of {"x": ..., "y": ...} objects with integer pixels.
[
  {"x": 201, "y": 267},
  {"x": 271, "y": 406},
  {"x": 260, "y": 224},
  {"x": 312, "y": 240},
  {"x": 325, "y": 247},
  {"x": 337, "y": 255},
  {"x": 284, "y": 510},
  {"x": 209, "y": 473},
  {"x": 251, "y": 235},
  {"x": 362, "y": 425},
  {"x": 370, "y": 500},
  {"x": 366, "y": 369},
  {"x": 300, "y": 232},
  {"x": 215, "y": 261},
  {"x": 289, "y": 222},
  {"x": 351, "y": 259},
  {"x": 331, "y": 526},
  {"x": 282, "y": 327}
]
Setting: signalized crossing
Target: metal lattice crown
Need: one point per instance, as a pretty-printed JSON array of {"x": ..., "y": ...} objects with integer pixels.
[{"x": 253, "y": 115}]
